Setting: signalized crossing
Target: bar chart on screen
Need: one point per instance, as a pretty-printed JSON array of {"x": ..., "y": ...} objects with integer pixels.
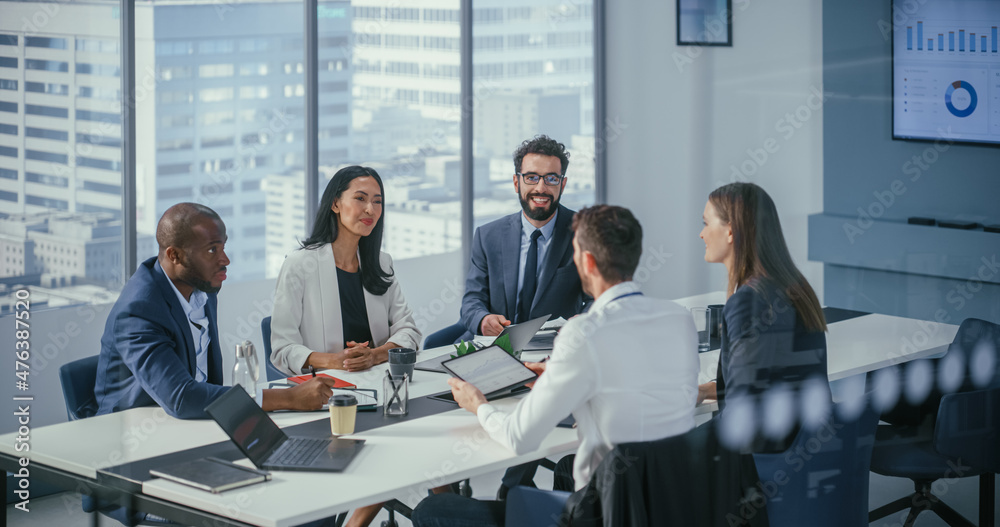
[
  {"x": 946, "y": 71},
  {"x": 952, "y": 36}
]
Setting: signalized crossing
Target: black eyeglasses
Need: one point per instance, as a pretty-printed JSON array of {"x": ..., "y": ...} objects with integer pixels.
[{"x": 551, "y": 180}]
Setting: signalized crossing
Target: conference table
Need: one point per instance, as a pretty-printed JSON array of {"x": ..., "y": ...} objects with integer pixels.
[{"x": 110, "y": 455}]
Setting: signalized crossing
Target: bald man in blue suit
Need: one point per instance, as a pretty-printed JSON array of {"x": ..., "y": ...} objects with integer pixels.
[{"x": 161, "y": 340}]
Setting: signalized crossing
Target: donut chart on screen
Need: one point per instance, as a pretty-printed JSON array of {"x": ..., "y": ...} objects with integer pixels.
[{"x": 967, "y": 111}]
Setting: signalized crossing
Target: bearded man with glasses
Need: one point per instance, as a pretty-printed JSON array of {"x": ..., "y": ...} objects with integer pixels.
[{"x": 522, "y": 264}]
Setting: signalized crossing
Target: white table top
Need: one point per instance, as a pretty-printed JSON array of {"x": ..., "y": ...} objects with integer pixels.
[
  {"x": 452, "y": 446},
  {"x": 854, "y": 346},
  {"x": 142, "y": 433},
  {"x": 400, "y": 461},
  {"x": 864, "y": 343}
]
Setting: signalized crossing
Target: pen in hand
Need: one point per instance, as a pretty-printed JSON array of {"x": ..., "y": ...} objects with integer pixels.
[{"x": 313, "y": 370}]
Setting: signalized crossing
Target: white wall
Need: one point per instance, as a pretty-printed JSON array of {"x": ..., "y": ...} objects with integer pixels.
[{"x": 682, "y": 116}]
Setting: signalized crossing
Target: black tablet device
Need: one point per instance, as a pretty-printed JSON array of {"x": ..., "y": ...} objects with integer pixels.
[
  {"x": 492, "y": 370},
  {"x": 521, "y": 337}
]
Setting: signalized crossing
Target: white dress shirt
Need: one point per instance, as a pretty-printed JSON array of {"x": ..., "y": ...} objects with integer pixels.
[{"x": 627, "y": 370}]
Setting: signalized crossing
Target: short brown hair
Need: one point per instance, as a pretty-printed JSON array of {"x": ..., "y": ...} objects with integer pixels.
[{"x": 613, "y": 236}]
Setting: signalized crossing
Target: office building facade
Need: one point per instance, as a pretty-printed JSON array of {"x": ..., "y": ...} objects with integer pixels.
[{"x": 219, "y": 106}]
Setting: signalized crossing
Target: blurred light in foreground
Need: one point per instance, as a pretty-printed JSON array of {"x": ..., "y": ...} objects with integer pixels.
[
  {"x": 815, "y": 401},
  {"x": 779, "y": 412},
  {"x": 851, "y": 402},
  {"x": 737, "y": 426},
  {"x": 919, "y": 381},
  {"x": 951, "y": 372},
  {"x": 886, "y": 388},
  {"x": 983, "y": 364}
]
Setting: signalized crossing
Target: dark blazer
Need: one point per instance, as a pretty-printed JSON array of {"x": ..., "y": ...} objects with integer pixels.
[
  {"x": 491, "y": 286},
  {"x": 148, "y": 353},
  {"x": 687, "y": 479},
  {"x": 765, "y": 344}
]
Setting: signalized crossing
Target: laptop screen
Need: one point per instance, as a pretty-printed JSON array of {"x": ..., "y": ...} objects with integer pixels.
[
  {"x": 521, "y": 333},
  {"x": 246, "y": 424}
]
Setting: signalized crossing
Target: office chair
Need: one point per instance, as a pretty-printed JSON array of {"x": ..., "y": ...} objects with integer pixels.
[
  {"x": 444, "y": 337},
  {"x": 822, "y": 478},
  {"x": 272, "y": 372},
  {"x": 78, "y": 379},
  {"x": 688, "y": 479},
  {"x": 531, "y": 507},
  {"x": 964, "y": 443},
  {"x": 958, "y": 439}
]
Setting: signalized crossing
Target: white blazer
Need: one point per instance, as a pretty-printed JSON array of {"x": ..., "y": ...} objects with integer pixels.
[{"x": 307, "y": 315}]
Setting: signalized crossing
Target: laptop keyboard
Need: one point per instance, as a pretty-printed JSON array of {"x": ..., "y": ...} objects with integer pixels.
[{"x": 298, "y": 451}]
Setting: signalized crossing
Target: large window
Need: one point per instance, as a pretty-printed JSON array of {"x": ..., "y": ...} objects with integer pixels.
[
  {"x": 532, "y": 74},
  {"x": 60, "y": 212},
  {"x": 400, "y": 126},
  {"x": 220, "y": 120},
  {"x": 224, "y": 115}
]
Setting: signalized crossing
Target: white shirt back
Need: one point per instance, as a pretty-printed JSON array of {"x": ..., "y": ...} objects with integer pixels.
[{"x": 627, "y": 370}]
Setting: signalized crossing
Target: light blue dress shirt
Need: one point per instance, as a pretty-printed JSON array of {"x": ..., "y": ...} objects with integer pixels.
[
  {"x": 544, "y": 241},
  {"x": 194, "y": 310},
  {"x": 197, "y": 317}
]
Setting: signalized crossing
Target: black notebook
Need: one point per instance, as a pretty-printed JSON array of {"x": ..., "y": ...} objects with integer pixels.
[{"x": 211, "y": 474}]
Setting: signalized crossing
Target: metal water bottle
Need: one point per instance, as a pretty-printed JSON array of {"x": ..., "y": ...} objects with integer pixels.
[{"x": 246, "y": 370}]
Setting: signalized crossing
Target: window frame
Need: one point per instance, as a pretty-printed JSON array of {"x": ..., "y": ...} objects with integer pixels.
[{"x": 466, "y": 15}]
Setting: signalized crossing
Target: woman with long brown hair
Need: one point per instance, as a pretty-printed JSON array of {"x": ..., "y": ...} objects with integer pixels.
[{"x": 773, "y": 340}]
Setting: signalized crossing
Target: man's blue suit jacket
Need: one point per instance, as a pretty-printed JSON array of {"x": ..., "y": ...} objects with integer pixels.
[
  {"x": 148, "y": 353},
  {"x": 491, "y": 286}
]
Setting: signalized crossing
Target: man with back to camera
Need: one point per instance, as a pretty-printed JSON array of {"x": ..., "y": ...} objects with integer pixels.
[
  {"x": 161, "y": 340},
  {"x": 501, "y": 288},
  {"x": 645, "y": 391}
]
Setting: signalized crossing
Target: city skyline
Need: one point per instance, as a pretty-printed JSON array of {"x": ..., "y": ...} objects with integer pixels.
[{"x": 219, "y": 107}]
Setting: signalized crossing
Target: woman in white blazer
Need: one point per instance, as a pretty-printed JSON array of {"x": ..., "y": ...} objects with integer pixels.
[{"x": 337, "y": 303}]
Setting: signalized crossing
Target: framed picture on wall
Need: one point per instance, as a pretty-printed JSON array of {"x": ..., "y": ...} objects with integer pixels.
[{"x": 704, "y": 22}]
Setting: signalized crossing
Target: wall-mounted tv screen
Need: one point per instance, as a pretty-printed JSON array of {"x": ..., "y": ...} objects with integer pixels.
[{"x": 946, "y": 70}]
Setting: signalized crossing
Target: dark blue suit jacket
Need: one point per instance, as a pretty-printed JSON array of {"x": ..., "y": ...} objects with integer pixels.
[
  {"x": 148, "y": 354},
  {"x": 765, "y": 345},
  {"x": 491, "y": 286}
]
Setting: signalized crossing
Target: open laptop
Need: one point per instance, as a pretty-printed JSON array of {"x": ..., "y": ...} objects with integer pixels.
[
  {"x": 268, "y": 447},
  {"x": 520, "y": 335}
]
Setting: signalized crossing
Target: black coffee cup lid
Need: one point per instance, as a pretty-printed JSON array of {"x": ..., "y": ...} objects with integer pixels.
[{"x": 343, "y": 400}]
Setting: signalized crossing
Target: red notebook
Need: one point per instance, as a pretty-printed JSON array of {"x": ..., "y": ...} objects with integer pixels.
[{"x": 339, "y": 384}]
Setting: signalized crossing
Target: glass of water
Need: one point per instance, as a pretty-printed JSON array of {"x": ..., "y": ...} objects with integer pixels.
[{"x": 701, "y": 323}]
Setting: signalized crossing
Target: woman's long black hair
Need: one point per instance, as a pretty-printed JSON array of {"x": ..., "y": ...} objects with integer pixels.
[{"x": 373, "y": 277}]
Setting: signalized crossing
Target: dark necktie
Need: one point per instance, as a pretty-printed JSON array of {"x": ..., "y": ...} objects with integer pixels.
[{"x": 530, "y": 278}]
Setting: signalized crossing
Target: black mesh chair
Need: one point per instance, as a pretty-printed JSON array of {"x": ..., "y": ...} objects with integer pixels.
[{"x": 948, "y": 435}]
